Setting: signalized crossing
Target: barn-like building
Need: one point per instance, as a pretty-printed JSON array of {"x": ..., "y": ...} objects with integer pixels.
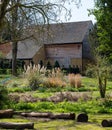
[{"x": 66, "y": 43}]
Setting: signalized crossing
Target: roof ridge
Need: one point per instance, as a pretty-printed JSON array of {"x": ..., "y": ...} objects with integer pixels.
[{"x": 70, "y": 22}]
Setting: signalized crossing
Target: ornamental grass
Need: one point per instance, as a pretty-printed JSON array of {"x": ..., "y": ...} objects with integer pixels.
[{"x": 75, "y": 80}]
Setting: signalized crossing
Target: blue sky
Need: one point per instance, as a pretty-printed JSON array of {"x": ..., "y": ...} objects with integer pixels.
[{"x": 81, "y": 13}]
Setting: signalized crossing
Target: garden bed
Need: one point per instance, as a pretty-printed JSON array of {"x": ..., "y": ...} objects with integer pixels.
[{"x": 56, "y": 97}]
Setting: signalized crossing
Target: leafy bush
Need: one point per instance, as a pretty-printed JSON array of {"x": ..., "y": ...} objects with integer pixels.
[
  {"x": 23, "y": 106},
  {"x": 34, "y": 81},
  {"x": 3, "y": 96},
  {"x": 2, "y": 71},
  {"x": 106, "y": 102},
  {"x": 102, "y": 70},
  {"x": 19, "y": 89},
  {"x": 71, "y": 89},
  {"x": 14, "y": 84},
  {"x": 39, "y": 106},
  {"x": 90, "y": 106},
  {"x": 90, "y": 73}
]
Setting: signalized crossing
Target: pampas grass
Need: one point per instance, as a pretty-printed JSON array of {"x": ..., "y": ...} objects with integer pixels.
[
  {"x": 54, "y": 78},
  {"x": 34, "y": 75},
  {"x": 28, "y": 70}
]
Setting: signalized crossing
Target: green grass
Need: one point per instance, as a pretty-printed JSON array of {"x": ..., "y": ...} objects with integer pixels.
[
  {"x": 94, "y": 123},
  {"x": 96, "y": 108},
  {"x": 2, "y": 76},
  {"x": 90, "y": 85},
  {"x": 90, "y": 107},
  {"x": 16, "y": 84},
  {"x": 39, "y": 94}
]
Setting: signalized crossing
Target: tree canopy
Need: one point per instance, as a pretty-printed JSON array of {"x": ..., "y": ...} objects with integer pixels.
[{"x": 103, "y": 14}]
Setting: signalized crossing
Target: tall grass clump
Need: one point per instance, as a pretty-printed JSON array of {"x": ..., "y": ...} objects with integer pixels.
[
  {"x": 75, "y": 80},
  {"x": 55, "y": 79},
  {"x": 34, "y": 75}
]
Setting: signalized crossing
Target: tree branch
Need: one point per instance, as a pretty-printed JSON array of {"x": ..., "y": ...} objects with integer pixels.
[
  {"x": 16, "y": 40},
  {"x": 3, "y": 7}
]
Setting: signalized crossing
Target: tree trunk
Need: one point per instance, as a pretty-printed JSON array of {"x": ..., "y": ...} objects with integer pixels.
[
  {"x": 3, "y": 8},
  {"x": 67, "y": 116},
  {"x": 36, "y": 114},
  {"x": 14, "y": 58},
  {"x": 16, "y": 126},
  {"x": 101, "y": 88},
  {"x": 106, "y": 123},
  {"x": 6, "y": 113},
  {"x": 14, "y": 36},
  {"x": 82, "y": 117}
]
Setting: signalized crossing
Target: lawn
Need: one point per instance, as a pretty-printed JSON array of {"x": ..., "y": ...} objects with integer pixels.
[
  {"x": 94, "y": 123},
  {"x": 88, "y": 101}
]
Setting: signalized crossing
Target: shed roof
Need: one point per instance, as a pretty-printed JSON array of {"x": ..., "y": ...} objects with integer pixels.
[
  {"x": 73, "y": 32},
  {"x": 26, "y": 49}
]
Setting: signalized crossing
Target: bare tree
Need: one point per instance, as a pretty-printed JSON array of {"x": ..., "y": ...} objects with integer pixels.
[
  {"x": 17, "y": 15},
  {"x": 3, "y": 7}
]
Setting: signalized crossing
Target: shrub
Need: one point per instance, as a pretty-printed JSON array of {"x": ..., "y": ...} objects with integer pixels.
[
  {"x": 34, "y": 81},
  {"x": 56, "y": 64},
  {"x": 14, "y": 84},
  {"x": 23, "y": 106},
  {"x": 20, "y": 89},
  {"x": 102, "y": 70},
  {"x": 41, "y": 63},
  {"x": 106, "y": 102},
  {"x": 3, "y": 96},
  {"x": 49, "y": 66},
  {"x": 90, "y": 73}
]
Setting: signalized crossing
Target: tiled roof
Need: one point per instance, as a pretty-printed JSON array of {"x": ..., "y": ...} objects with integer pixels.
[
  {"x": 73, "y": 32},
  {"x": 26, "y": 49}
]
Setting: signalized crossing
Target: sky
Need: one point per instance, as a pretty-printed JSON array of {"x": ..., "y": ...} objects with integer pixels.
[{"x": 81, "y": 13}]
